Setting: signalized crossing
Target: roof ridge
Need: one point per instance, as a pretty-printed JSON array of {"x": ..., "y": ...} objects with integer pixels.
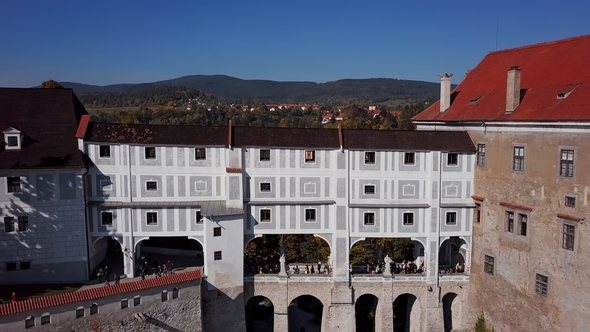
[{"x": 569, "y": 39}]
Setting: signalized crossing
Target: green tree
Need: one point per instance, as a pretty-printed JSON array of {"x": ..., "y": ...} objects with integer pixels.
[{"x": 481, "y": 325}]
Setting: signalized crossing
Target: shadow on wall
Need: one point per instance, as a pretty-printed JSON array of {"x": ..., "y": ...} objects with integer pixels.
[{"x": 220, "y": 311}]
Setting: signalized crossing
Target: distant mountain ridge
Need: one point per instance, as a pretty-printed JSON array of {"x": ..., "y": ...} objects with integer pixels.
[{"x": 232, "y": 88}]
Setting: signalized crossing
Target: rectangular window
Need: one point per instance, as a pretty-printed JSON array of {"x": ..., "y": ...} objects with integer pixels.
[
  {"x": 570, "y": 201},
  {"x": 10, "y": 266},
  {"x": 309, "y": 156},
  {"x": 13, "y": 184},
  {"x": 452, "y": 159},
  {"x": 137, "y": 301},
  {"x": 522, "y": 220},
  {"x": 9, "y": 225},
  {"x": 107, "y": 218},
  {"x": 481, "y": 154},
  {"x": 151, "y": 185},
  {"x": 217, "y": 231},
  {"x": 150, "y": 152},
  {"x": 488, "y": 265},
  {"x": 310, "y": 215},
  {"x": 509, "y": 222},
  {"x": 541, "y": 283},
  {"x": 451, "y": 218},
  {"x": 265, "y": 215},
  {"x": 477, "y": 213},
  {"x": 567, "y": 163},
  {"x": 151, "y": 218},
  {"x": 369, "y": 190},
  {"x": 518, "y": 159},
  {"x": 369, "y": 158},
  {"x": 12, "y": 141},
  {"x": 198, "y": 217},
  {"x": 200, "y": 154},
  {"x": 569, "y": 234},
  {"x": 217, "y": 255},
  {"x": 104, "y": 151},
  {"x": 369, "y": 218},
  {"x": 265, "y": 187},
  {"x": 265, "y": 155},
  {"x": 25, "y": 265},
  {"x": 409, "y": 158},
  {"x": 408, "y": 218},
  {"x": 23, "y": 223}
]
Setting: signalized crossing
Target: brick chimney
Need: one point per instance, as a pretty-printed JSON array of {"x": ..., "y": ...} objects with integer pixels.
[
  {"x": 445, "y": 91},
  {"x": 513, "y": 89}
]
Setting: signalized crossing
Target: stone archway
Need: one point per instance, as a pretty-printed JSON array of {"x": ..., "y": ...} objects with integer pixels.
[
  {"x": 259, "y": 314},
  {"x": 453, "y": 255},
  {"x": 405, "y": 317},
  {"x": 305, "y": 314},
  {"x": 180, "y": 251},
  {"x": 365, "y": 311},
  {"x": 450, "y": 313}
]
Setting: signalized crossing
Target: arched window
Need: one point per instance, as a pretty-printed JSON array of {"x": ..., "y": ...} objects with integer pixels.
[
  {"x": 80, "y": 312},
  {"x": 136, "y": 301},
  {"x": 175, "y": 293},
  {"x": 93, "y": 309},
  {"x": 29, "y": 322},
  {"x": 45, "y": 319},
  {"x": 124, "y": 303},
  {"x": 164, "y": 295}
]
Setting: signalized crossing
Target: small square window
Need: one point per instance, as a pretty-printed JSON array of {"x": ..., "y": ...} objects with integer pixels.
[
  {"x": 107, "y": 218},
  {"x": 198, "y": 217},
  {"x": 12, "y": 141},
  {"x": 481, "y": 154},
  {"x": 509, "y": 222},
  {"x": 104, "y": 151},
  {"x": 217, "y": 255},
  {"x": 518, "y": 159},
  {"x": 309, "y": 156},
  {"x": 23, "y": 223},
  {"x": 570, "y": 201},
  {"x": 452, "y": 159},
  {"x": 369, "y": 218},
  {"x": 151, "y": 218},
  {"x": 151, "y": 185},
  {"x": 369, "y": 190},
  {"x": 451, "y": 218},
  {"x": 200, "y": 154},
  {"x": 265, "y": 155},
  {"x": 409, "y": 158},
  {"x": 488, "y": 265},
  {"x": 408, "y": 219},
  {"x": 124, "y": 303},
  {"x": 522, "y": 220},
  {"x": 216, "y": 231},
  {"x": 567, "y": 163},
  {"x": 9, "y": 225},
  {"x": 310, "y": 215},
  {"x": 265, "y": 187},
  {"x": 25, "y": 265},
  {"x": 477, "y": 213},
  {"x": 150, "y": 152},
  {"x": 10, "y": 266},
  {"x": 369, "y": 158},
  {"x": 569, "y": 235},
  {"x": 13, "y": 184},
  {"x": 541, "y": 283},
  {"x": 136, "y": 301},
  {"x": 45, "y": 319},
  {"x": 265, "y": 215}
]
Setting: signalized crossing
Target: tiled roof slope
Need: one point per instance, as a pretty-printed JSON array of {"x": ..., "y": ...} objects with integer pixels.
[
  {"x": 96, "y": 292},
  {"x": 279, "y": 137},
  {"x": 546, "y": 70},
  {"x": 48, "y": 118}
]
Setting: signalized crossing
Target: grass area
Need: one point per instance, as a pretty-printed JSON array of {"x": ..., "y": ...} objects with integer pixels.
[{"x": 35, "y": 290}]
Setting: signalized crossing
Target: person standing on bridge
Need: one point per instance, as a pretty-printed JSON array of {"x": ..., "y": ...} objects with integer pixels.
[{"x": 319, "y": 266}]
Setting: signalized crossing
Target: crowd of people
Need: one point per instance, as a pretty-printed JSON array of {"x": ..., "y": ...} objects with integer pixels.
[
  {"x": 312, "y": 270},
  {"x": 151, "y": 266},
  {"x": 264, "y": 262},
  {"x": 459, "y": 268}
]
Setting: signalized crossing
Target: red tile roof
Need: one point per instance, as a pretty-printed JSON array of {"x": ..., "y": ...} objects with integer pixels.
[
  {"x": 96, "y": 292},
  {"x": 546, "y": 69},
  {"x": 82, "y": 126}
]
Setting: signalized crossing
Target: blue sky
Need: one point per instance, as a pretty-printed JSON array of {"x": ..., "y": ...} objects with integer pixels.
[{"x": 108, "y": 42}]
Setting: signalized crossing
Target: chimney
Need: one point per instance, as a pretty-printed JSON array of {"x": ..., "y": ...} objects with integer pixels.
[
  {"x": 513, "y": 89},
  {"x": 445, "y": 91}
]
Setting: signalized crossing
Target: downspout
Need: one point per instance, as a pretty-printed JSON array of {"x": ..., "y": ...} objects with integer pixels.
[{"x": 131, "y": 210}]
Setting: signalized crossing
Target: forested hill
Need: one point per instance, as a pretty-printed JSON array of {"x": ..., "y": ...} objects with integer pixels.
[{"x": 373, "y": 90}]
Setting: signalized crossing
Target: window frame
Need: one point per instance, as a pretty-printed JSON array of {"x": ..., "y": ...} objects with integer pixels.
[
  {"x": 14, "y": 184},
  {"x": 518, "y": 158},
  {"x": 217, "y": 255},
  {"x": 568, "y": 171},
  {"x": 102, "y": 152},
  {"x": 23, "y": 221},
  {"x": 568, "y": 238},
  {"x": 452, "y": 159},
  {"x": 541, "y": 284},
  {"x": 489, "y": 264},
  {"x": 9, "y": 221},
  {"x": 571, "y": 203},
  {"x": 264, "y": 190},
  {"x": 149, "y": 221},
  {"x": 21, "y": 263},
  {"x": 102, "y": 218},
  {"x": 150, "y": 153},
  {"x": 7, "y": 264},
  {"x": 367, "y": 189},
  {"x": 370, "y": 158},
  {"x": 265, "y": 215},
  {"x": 509, "y": 223},
  {"x": 147, "y": 185},
  {"x": 406, "y": 216},
  {"x": 216, "y": 231},
  {"x": 481, "y": 154},
  {"x": 477, "y": 213},
  {"x": 369, "y": 218},
  {"x": 200, "y": 154},
  {"x": 309, "y": 156},
  {"x": 310, "y": 215},
  {"x": 198, "y": 217},
  {"x": 523, "y": 220},
  {"x": 12, "y": 139},
  {"x": 264, "y": 155},
  {"x": 451, "y": 218},
  {"x": 409, "y": 158}
]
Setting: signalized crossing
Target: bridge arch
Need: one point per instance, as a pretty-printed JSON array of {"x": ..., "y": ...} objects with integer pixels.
[
  {"x": 451, "y": 310},
  {"x": 259, "y": 311},
  {"x": 365, "y": 312},
  {"x": 406, "y": 313},
  {"x": 305, "y": 314},
  {"x": 454, "y": 254}
]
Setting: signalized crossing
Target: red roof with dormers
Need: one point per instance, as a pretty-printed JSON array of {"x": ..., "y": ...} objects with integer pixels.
[
  {"x": 546, "y": 69},
  {"x": 96, "y": 292}
]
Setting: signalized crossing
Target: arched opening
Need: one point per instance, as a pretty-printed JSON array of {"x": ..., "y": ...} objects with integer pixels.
[
  {"x": 106, "y": 258},
  {"x": 305, "y": 314},
  {"x": 448, "y": 311},
  {"x": 452, "y": 257},
  {"x": 260, "y": 314},
  {"x": 163, "y": 255},
  {"x": 368, "y": 256},
  {"x": 402, "y": 313},
  {"x": 304, "y": 254},
  {"x": 365, "y": 310}
]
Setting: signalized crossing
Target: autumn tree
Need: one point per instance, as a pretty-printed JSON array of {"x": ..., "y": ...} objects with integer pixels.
[{"x": 51, "y": 84}]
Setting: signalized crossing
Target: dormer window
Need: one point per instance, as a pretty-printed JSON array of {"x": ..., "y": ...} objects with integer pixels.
[
  {"x": 566, "y": 92},
  {"x": 13, "y": 139}
]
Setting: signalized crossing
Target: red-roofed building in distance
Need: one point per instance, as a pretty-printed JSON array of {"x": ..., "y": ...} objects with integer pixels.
[{"x": 527, "y": 110}]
